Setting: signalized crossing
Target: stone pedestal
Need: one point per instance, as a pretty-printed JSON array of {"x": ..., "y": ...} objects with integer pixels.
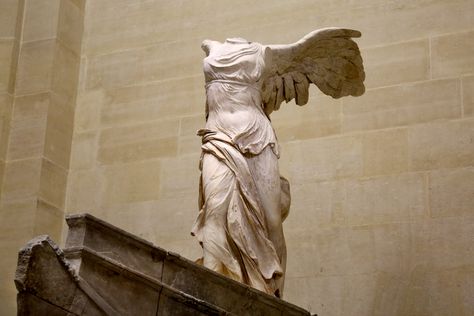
[{"x": 106, "y": 271}]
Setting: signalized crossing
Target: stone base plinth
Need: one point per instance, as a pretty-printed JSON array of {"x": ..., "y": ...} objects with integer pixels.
[{"x": 106, "y": 271}]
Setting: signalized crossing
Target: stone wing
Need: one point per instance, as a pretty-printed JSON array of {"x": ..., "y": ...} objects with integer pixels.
[{"x": 329, "y": 58}]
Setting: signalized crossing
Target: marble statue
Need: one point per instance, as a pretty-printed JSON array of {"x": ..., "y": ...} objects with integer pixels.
[{"x": 243, "y": 199}]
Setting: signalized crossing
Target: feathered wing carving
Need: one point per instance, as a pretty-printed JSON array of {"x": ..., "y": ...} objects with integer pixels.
[{"x": 328, "y": 58}]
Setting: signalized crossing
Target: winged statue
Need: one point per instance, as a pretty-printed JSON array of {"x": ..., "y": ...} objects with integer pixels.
[{"x": 243, "y": 199}]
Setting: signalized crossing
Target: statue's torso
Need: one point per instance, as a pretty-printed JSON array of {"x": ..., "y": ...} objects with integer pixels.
[{"x": 233, "y": 74}]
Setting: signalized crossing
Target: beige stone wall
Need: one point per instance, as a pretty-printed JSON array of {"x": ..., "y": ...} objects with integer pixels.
[
  {"x": 39, "y": 70},
  {"x": 382, "y": 218}
]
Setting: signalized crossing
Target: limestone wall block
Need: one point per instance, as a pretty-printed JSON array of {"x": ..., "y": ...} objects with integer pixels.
[
  {"x": 154, "y": 101},
  {"x": 442, "y": 243},
  {"x": 315, "y": 204},
  {"x": 466, "y": 281},
  {"x": 180, "y": 177},
  {"x": 65, "y": 73},
  {"x": 6, "y": 49},
  {"x": 17, "y": 222},
  {"x": 360, "y": 294},
  {"x": 393, "y": 248},
  {"x": 389, "y": 22},
  {"x": 189, "y": 145},
  {"x": 35, "y": 66},
  {"x": 162, "y": 219},
  {"x": 320, "y": 117},
  {"x": 8, "y": 16},
  {"x": 167, "y": 21},
  {"x": 59, "y": 130},
  {"x": 188, "y": 141},
  {"x": 452, "y": 192},
  {"x": 21, "y": 179},
  {"x": 385, "y": 199},
  {"x": 304, "y": 247},
  {"x": 406, "y": 20},
  {"x": 453, "y": 54},
  {"x": 138, "y": 151},
  {"x": 53, "y": 184},
  {"x": 144, "y": 131},
  {"x": 189, "y": 125},
  {"x": 324, "y": 294},
  {"x": 71, "y": 24},
  {"x": 40, "y": 20},
  {"x": 87, "y": 114},
  {"x": 379, "y": 22},
  {"x": 85, "y": 190},
  {"x": 444, "y": 144},
  {"x": 361, "y": 244},
  {"x": 385, "y": 152},
  {"x": 468, "y": 95},
  {"x": 334, "y": 251},
  {"x": 6, "y": 108},
  {"x": 108, "y": 24},
  {"x": 28, "y": 126},
  {"x": 144, "y": 64},
  {"x": 402, "y": 105},
  {"x": 131, "y": 182},
  {"x": 138, "y": 142},
  {"x": 322, "y": 159},
  {"x": 49, "y": 220},
  {"x": 331, "y": 251},
  {"x": 396, "y": 63},
  {"x": 84, "y": 150}
]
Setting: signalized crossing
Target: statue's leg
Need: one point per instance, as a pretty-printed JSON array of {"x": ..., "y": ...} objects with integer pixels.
[
  {"x": 264, "y": 170},
  {"x": 218, "y": 182}
]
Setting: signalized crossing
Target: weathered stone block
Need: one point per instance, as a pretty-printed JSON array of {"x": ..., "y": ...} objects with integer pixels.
[
  {"x": 402, "y": 105},
  {"x": 84, "y": 150},
  {"x": 320, "y": 117},
  {"x": 71, "y": 24},
  {"x": 137, "y": 104},
  {"x": 322, "y": 159},
  {"x": 189, "y": 145},
  {"x": 144, "y": 64},
  {"x": 180, "y": 176},
  {"x": 28, "y": 126},
  {"x": 132, "y": 182},
  {"x": 452, "y": 55},
  {"x": 6, "y": 48},
  {"x": 385, "y": 199},
  {"x": 49, "y": 220},
  {"x": 452, "y": 192},
  {"x": 441, "y": 145},
  {"x": 59, "y": 131},
  {"x": 8, "y": 15},
  {"x": 385, "y": 152},
  {"x": 138, "y": 142},
  {"x": 21, "y": 179},
  {"x": 87, "y": 186},
  {"x": 53, "y": 183},
  {"x": 468, "y": 95},
  {"x": 88, "y": 108},
  {"x": 65, "y": 74},
  {"x": 35, "y": 66},
  {"x": 40, "y": 20},
  {"x": 396, "y": 63}
]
